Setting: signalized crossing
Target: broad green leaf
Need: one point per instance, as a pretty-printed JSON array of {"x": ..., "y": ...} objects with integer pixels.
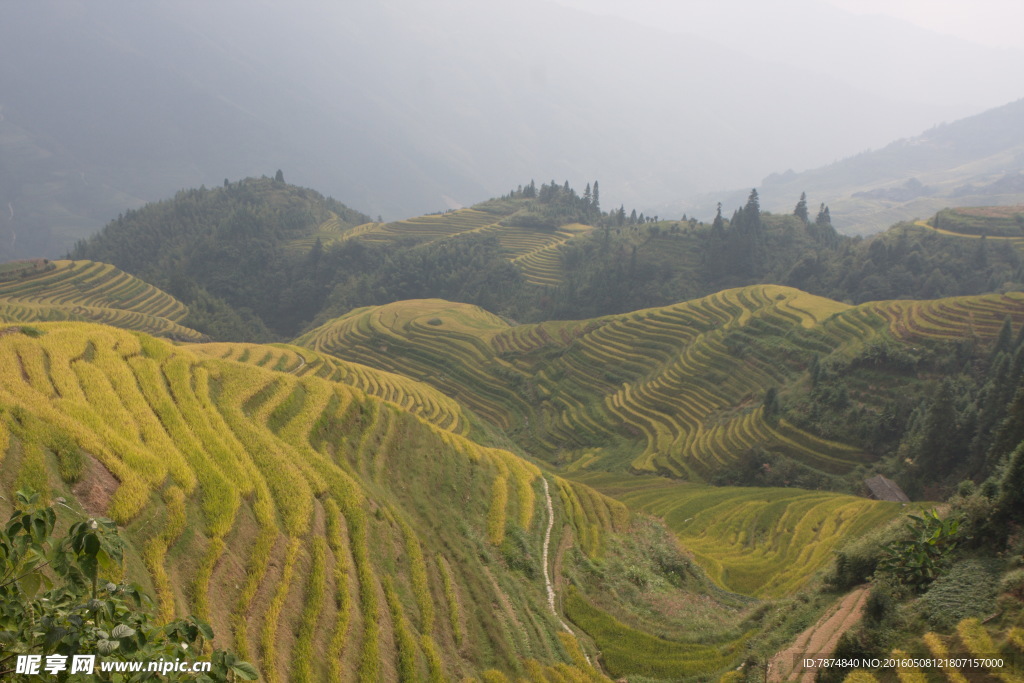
[
  {"x": 122, "y": 631},
  {"x": 30, "y": 584},
  {"x": 245, "y": 670}
]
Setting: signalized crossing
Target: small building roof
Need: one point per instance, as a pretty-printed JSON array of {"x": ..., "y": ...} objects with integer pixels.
[{"x": 882, "y": 488}]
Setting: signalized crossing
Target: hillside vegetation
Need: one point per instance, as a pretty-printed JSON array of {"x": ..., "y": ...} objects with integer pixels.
[{"x": 753, "y": 540}]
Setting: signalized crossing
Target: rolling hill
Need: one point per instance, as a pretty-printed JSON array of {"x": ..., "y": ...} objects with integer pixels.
[
  {"x": 250, "y": 478},
  {"x": 300, "y": 496}
]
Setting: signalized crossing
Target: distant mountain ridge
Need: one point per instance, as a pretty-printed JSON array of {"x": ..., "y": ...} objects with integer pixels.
[{"x": 976, "y": 161}]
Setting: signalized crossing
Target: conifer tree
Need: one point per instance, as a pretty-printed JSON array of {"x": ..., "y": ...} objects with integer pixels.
[
  {"x": 801, "y": 208},
  {"x": 824, "y": 217}
]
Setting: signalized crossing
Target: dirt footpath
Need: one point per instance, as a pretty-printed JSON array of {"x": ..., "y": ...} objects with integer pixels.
[{"x": 819, "y": 640}]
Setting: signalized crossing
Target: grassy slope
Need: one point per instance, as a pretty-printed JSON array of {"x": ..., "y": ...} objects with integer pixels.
[{"x": 249, "y": 494}]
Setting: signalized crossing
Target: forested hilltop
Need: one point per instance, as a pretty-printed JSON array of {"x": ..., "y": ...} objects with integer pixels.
[{"x": 260, "y": 259}]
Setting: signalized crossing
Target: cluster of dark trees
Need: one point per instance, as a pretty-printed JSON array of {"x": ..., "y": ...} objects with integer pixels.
[
  {"x": 548, "y": 207},
  {"x": 222, "y": 251},
  {"x": 959, "y": 413}
]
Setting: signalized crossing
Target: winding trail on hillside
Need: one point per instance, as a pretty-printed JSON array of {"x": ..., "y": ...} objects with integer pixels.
[
  {"x": 819, "y": 640},
  {"x": 544, "y": 561}
]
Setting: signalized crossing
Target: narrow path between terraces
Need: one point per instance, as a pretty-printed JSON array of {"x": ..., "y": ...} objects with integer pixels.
[{"x": 544, "y": 561}]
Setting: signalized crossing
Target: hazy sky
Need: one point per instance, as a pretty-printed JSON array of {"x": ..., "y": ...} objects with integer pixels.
[
  {"x": 995, "y": 23},
  {"x": 989, "y": 22}
]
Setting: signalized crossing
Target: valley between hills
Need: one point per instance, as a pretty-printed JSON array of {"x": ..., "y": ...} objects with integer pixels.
[{"x": 533, "y": 439}]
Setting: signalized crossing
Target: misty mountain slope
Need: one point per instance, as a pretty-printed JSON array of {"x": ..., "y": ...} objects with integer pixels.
[
  {"x": 400, "y": 108},
  {"x": 976, "y": 161}
]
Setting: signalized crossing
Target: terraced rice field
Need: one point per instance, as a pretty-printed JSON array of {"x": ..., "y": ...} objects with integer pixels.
[
  {"x": 250, "y": 493},
  {"x": 432, "y": 227},
  {"x": 954, "y": 318},
  {"x": 683, "y": 383},
  {"x": 755, "y": 541},
  {"x": 416, "y": 397},
  {"x": 95, "y": 292},
  {"x": 674, "y": 390},
  {"x": 417, "y": 339},
  {"x": 535, "y": 251},
  {"x": 332, "y": 230}
]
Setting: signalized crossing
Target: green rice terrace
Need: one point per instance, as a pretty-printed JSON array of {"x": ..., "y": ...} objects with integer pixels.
[
  {"x": 416, "y": 397},
  {"x": 676, "y": 390},
  {"x": 535, "y": 251},
  {"x": 95, "y": 292},
  {"x": 756, "y": 541}
]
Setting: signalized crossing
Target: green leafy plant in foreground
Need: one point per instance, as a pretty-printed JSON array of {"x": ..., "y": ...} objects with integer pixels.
[
  {"x": 917, "y": 561},
  {"x": 55, "y": 601}
]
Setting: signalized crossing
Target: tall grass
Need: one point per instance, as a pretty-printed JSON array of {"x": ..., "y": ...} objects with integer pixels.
[
  {"x": 405, "y": 641},
  {"x": 451, "y": 598},
  {"x": 302, "y": 654},
  {"x": 268, "y": 636},
  {"x": 342, "y": 598}
]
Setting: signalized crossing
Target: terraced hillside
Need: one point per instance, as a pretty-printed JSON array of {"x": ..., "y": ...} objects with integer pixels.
[
  {"x": 416, "y": 397},
  {"x": 535, "y": 251},
  {"x": 309, "y": 522},
  {"x": 433, "y": 226},
  {"x": 757, "y": 541},
  {"x": 96, "y": 292},
  {"x": 975, "y": 221},
  {"x": 332, "y": 230},
  {"x": 661, "y": 385},
  {"x": 678, "y": 390},
  {"x": 965, "y": 317}
]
